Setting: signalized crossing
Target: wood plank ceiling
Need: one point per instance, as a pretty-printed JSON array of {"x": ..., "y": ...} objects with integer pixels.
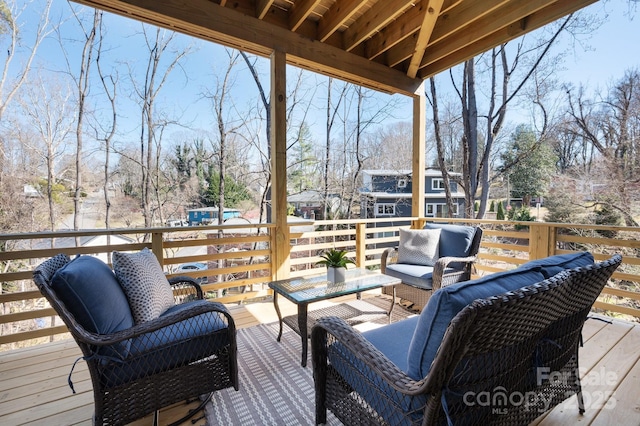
[{"x": 388, "y": 45}]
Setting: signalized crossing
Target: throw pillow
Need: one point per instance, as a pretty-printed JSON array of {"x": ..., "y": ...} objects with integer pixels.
[
  {"x": 92, "y": 294},
  {"x": 147, "y": 289},
  {"x": 419, "y": 246}
]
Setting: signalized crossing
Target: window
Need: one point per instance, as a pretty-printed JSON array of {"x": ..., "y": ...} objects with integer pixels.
[
  {"x": 385, "y": 209},
  {"x": 437, "y": 183},
  {"x": 440, "y": 210},
  {"x": 402, "y": 183}
]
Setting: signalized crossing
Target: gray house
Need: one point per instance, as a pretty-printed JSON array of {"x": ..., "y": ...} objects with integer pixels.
[{"x": 387, "y": 193}]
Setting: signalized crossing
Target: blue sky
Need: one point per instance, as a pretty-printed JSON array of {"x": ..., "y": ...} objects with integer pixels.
[{"x": 594, "y": 62}]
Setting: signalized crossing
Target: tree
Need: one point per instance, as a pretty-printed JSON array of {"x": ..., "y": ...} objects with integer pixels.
[
  {"x": 611, "y": 126},
  {"x": 500, "y": 212},
  {"x": 159, "y": 63},
  {"x": 476, "y": 146},
  {"x": 529, "y": 163}
]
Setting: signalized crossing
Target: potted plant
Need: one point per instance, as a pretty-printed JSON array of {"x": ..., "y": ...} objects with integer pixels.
[{"x": 336, "y": 262}]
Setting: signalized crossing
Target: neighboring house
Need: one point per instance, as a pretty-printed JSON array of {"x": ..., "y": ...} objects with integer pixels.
[
  {"x": 310, "y": 204},
  {"x": 209, "y": 215},
  {"x": 388, "y": 193}
]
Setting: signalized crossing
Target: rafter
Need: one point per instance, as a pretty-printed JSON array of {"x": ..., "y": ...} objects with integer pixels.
[
  {"x": 336, "y": 16},
  {"x": 428, "y": 23},
  {"x": 534, "y": 21},
  {"x": 381, "y": 14},
  {"x": 262, "y": 7},
  {"x": 301, "y": 11},
  {"x": 396, "y": 31},
  {"x": 479, "y": 29}
]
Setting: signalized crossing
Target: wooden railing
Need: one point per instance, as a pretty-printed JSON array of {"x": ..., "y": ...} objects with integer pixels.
[{"x": 239, "y": 259}]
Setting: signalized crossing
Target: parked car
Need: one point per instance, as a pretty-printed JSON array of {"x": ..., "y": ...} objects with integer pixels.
[{"x": 191, "y": 267}]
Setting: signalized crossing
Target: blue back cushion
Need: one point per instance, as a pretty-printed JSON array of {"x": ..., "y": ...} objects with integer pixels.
[
  {"x": 455, "y": 240},
  {"x": 91, "y": 292},
  {"x": 447, "y": 302},
  {"x": 550, "y": 266}
]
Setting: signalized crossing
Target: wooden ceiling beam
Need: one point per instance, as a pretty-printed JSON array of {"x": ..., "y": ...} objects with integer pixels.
[
  {"x": 209, "y": 21},
  {"x": 262, "y": 7},
  {"x": 465, "y": 13},
  {"x": 373, "y": 20},
  {"x": 519, "y": 27},
  {"x": 300, "y": 11},
  {"x": 426, "y": 29},
  {"x": 336, "y": 16},
  {"x": 396, "y": 31},
  {"x": 479, "y": 29},
  {"x": 402, "y": 51}
]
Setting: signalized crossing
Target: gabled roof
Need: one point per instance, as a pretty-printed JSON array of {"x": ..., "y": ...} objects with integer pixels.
[{"x": 389, "y": 45}]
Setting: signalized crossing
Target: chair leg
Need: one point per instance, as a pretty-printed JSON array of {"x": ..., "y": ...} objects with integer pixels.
[
  {"x": 194, "y": 411},
  {"x": 191, "y": 413}
]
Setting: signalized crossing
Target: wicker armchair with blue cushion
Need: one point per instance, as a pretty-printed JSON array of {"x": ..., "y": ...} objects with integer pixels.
[
  {"x": 148, "y": 342},
  {"x": 502, "y": 349},
  {"x": 430, "y": 258}
]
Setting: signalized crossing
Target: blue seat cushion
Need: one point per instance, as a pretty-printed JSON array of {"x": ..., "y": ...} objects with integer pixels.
[
  {"x": 393, "y": 340},
  {"x": 445, "y": 304},
  {"x": 455, "y": 240},
  {"x": 552, "y": 265},
  {"x": 415, "y": 275},
  {"x": 175, "y": 345}
]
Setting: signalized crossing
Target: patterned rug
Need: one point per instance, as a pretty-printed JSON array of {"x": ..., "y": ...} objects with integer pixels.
[{"x": 274, "y": 388}]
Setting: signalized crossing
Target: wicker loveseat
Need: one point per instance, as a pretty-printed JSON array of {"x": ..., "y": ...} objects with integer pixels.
[
  {"x": 501, "y": 349},
  {"x": 457, "y": 249},
  {"x": 137, "y": 368}
]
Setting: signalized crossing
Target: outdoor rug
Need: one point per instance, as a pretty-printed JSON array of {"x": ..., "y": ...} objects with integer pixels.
[{"x": 274, "y": 388}]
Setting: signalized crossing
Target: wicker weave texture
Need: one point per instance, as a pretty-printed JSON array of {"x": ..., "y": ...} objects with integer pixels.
[
  {"x": 502, "y": 347},
  {"x": 420, "y": 296},
  {"x": 171, "y": 359}
]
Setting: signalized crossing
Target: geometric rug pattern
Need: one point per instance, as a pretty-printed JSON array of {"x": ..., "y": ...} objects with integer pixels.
[{"x": 274, "y": 388}]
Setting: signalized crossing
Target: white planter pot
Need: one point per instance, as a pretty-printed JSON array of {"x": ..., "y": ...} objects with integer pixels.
[{"x": 336, "y": 275}]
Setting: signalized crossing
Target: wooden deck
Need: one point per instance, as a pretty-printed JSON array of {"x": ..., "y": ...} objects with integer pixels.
[{"x": 34, "y": 390}]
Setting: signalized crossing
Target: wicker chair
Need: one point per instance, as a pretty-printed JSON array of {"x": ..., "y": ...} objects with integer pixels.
[
  {"x": 188, "y": 351},
  {"x": 501, "y": 346},
  {"x": 419, "y": 282}
]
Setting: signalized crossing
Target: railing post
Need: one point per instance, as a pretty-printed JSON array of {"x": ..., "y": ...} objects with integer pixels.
[
  {"x": 361, "y": 247},
  {"x": 156, "y": 247},
  {"x": 542, "y": 240}
]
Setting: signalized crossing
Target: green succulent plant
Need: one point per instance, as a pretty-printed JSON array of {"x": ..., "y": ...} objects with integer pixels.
[{"x": 335, "y": 258}]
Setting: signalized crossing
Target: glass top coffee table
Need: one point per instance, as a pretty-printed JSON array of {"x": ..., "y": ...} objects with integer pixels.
[{"x": 303, "y": 291}]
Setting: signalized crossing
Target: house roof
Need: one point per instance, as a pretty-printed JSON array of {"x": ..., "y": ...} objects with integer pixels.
[
  {"x": 388, "y": 45},
  {"x": 406, "y": 195},
  {"x": 307, "y": 196},
  {"x": 405, "y": 172}
]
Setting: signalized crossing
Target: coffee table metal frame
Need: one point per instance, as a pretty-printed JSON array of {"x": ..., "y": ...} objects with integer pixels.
[{"x": 306, "y": 290}]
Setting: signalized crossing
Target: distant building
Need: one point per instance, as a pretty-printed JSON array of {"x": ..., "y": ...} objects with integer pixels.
[
  {"x": 310, "y": 204},
  {"x": 388, "y": 193},
  {"x": 209, "y": 215}
]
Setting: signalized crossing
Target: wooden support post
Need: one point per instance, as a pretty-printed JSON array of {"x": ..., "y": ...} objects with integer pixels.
[
  {"x": 361, "y": 244},
  {"x": 419, "y": 147},
  {"x": 542, "y": 240},
  {"x": 156, "y": 246},
  {"x": 282, "y": 247}
]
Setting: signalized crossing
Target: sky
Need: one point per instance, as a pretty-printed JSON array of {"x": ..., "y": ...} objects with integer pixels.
[{"x": 595, "y": 61}]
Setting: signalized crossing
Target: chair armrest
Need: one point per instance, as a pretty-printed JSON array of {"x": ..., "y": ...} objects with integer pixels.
[
  {"x": 156, "y": 324},
  {"x": 334, "y": 329},
  {"x": 389, "y": 256},
  {"x": 183, "y": 286},
  {"x": 440, "y": 267}
]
